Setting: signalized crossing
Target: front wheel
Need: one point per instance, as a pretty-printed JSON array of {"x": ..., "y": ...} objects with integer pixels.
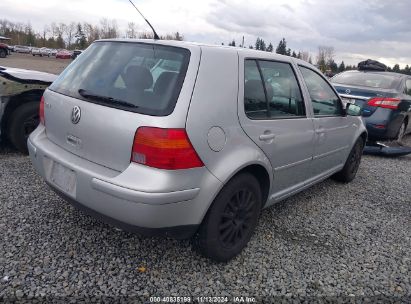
[
  {"x": 349, "y": 171},
  {"x": 231, "y": 219},
  {"x": 22, "y": 122}
]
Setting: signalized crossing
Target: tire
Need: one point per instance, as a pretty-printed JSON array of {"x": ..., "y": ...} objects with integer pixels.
[
  {"x": 349, "y": 171},
  {"x": 231, "y": 219},
  {"x": 401, "y": 133},
  {"x": 23, "y": 121},
  {"x": 3, "y": 53}
]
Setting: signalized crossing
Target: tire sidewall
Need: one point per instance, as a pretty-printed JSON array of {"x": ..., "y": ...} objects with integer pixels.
[
  {"x": 349, "y": 169},
  {"x": 216, "y": 249},
  {"x": 15, "y": 128},
  {"x": 400, "y": 136}
]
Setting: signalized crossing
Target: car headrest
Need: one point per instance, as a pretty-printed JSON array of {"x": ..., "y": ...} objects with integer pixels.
[
  {"x": 165, "y": 83},
  {"x": 253, "y": 89},
  {"x": 138, "y": 77}
]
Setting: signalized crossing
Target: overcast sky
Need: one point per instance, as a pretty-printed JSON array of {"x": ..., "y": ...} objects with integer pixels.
[{"x": 357, "y": 29}]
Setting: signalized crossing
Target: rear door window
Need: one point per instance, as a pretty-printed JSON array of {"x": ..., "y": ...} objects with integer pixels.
[
  {"x": 324, "y": 100},
  {"x": 138, "y": 77},
  {"x": 271, "y": 91}
]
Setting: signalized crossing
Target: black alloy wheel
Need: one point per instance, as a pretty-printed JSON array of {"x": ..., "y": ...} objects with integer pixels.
[
  {"x": 237, "y": 218},
  {"x": 349, "y": 171},
  {"x": 231, "y": 219}
]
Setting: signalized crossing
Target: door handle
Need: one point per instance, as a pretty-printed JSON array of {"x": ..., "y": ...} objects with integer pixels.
[{"x": 266, "y": 137}]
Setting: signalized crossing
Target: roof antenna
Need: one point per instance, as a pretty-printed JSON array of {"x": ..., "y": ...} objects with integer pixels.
[{"x": 156, "y": 37}]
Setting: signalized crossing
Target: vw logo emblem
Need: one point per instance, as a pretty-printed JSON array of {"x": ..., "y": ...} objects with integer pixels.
[
  {"x": 347, "y": 91},
  {"x": 75, "y": 115}
]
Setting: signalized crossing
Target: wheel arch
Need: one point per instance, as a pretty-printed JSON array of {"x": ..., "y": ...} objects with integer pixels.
[
  {"x": 364, "y": 136},
  {"x": 16, "y": 101},
  {"x": 262, "y": 176}
]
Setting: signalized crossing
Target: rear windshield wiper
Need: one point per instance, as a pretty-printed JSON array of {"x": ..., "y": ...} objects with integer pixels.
[{"x": 106, "y": 99}]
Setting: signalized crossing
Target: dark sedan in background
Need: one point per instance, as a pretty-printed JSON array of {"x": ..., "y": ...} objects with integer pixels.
[{"x": 385, "y": 98}]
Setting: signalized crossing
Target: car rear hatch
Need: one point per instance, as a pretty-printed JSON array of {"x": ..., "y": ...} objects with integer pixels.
[
  {"x": 361, "y": 95},
  {"x": 359, "y": 87},
  {"x": 96, "y": 105}
]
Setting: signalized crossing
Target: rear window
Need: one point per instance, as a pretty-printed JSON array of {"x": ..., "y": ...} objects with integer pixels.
[
  {"x": 372, "y": 80},
  {"x": 137, "y": 77}
]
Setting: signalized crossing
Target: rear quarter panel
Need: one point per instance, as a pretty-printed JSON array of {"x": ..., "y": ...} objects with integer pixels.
[{"x": 214, "y": 104}]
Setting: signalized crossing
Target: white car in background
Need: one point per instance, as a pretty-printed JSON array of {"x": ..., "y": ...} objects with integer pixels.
[
  {"x": 45, "y": 52},
  {"x": 36, "y": 51},
  {"x": 22, "y": 49}
]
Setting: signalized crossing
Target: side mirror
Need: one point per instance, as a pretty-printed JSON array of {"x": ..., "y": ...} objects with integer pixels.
[{"x": 353, "y": 109}]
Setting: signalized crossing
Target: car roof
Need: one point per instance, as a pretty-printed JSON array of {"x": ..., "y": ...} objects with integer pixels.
[{"x": 246, "y": 52}]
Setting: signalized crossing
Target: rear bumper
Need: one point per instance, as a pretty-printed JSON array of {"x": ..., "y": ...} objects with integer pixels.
[
  {"x": 177, "y": 232},
  {"x": 140, "y": 199},
  {"x": 383, "y": 124}
]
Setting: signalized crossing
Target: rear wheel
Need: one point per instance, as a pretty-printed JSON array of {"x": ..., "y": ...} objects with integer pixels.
[
  {"x": 401, "y": 132},
  {"x": 349, "y": 171},
  {"x": 3, "y": 53},
  {"x": 231, "y": 219},
  {"x": 23, "y": 121}
]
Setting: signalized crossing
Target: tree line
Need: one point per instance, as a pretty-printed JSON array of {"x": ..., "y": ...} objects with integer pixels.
[
  {"x": 324, "y": 59},
  {"x": 71, "y": 35},
  {"x": 80, "y": 35}
]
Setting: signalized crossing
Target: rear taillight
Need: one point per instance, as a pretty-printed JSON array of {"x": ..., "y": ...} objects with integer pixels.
[
  {"x": 388, "y": 103},
  {"x": 41, "y": 110},
  {"x": 164, "y": 149}
]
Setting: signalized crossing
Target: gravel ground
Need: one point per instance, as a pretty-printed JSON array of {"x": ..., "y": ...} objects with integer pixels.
[
  {"x": 27, "y": 61},
  {"x": 333, "y": 240}
]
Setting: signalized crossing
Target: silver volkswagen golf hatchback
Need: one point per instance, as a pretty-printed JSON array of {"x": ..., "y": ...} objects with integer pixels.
[{"x": 189, "y": 140}]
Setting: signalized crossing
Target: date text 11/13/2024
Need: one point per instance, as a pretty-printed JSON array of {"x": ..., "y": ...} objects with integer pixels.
[{"x": 239, "y": 299}]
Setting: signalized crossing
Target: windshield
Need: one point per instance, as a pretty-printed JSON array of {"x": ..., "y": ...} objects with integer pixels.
[
  {"x": 372, "y": 80},
  {"x": 138, "y": 77}
]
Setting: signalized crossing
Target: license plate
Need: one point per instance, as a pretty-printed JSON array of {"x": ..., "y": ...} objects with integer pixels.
[{"x": 64, "y": 178}]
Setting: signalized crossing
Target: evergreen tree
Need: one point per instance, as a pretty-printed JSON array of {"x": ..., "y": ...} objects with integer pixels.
[
  {"x": 310, "y": 60},
  {"x": 396, "y": 68},
  {"x": 294, "y": 54},
  {"x": 80, "y": 37},
  {"x": 288, "y": 52},
  {"x": 178, "y": 37},
  {"x": 270, "y": 48},
  {"x": 263, "y": 47},
  {"x": 299, "y": 55},
  {"x": 341, "y": 67},
  {"x": 333, "y": 66},
  {"x": 30, "y": 38},
  {"x": 232, "y": 43},
  {"x": 282, "y": 47},
  {"x": 60, "y": 42},
  {"x": 260, "y": 44}
]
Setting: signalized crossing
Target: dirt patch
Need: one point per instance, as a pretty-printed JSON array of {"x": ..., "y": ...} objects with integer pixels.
[{"x": 29, "y": 62}]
